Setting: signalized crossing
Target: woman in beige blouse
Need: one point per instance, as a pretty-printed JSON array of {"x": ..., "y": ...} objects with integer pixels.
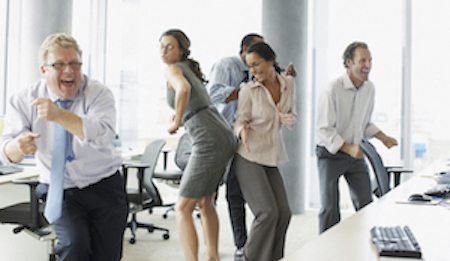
[{"x": 265, "y": 105}]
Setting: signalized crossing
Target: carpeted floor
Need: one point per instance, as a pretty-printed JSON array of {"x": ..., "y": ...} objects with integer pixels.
[{"x": 151, "y": 246}]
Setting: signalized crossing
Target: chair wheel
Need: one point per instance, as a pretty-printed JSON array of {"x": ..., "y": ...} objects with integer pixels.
[
  {"x": 150, "y": 229},
  {"x": 165, "y": 216},
  {"x": 132, "y": 240},
  {"x": 166, "y": 236}
]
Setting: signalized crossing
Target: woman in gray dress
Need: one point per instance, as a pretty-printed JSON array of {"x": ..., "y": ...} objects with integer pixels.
[{"x": 213, "y": 143}]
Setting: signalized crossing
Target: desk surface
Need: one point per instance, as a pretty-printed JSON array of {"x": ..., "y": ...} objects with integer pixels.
[
  {"x": 350, "y": 239},
  {"x": 28, "y": 172}
]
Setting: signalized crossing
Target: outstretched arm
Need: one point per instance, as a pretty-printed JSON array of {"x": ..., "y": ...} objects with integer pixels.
[{"x": 388, "y": 141}]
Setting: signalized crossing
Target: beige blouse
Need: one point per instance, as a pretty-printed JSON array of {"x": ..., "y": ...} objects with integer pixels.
[{"x": 257, "y": 110}]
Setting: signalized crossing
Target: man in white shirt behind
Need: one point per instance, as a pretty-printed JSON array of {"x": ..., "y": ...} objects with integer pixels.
[{"x": 344, "y": 119}]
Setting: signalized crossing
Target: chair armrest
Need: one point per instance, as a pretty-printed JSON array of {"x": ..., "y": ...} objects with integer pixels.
[
  {"x": 29, "y": 182},
  {"x": 397, "y": 171},
  {"x": 140, "y": 175},
  {"x": 165, "y": 153},
  {"x": 136, "y": 165},
  {"x": 174, "y": 174}
]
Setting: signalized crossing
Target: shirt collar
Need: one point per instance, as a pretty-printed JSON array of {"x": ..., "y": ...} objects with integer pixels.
[
  {"x": 283, "y": 85},
  {"x": 348, "y": 84}
]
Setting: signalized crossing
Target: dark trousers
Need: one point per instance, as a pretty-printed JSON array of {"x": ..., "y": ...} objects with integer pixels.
[
  {"x": 331, "y": 168},
  {"x": 236, "y": 208},
  {"x": 93, "y": 221}
]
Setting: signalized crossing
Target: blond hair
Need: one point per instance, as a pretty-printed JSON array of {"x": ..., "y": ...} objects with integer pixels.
[{"x": 57, "y": 40}]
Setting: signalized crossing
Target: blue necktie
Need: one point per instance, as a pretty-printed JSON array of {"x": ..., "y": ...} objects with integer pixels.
[{"x": 62, "y": 151}]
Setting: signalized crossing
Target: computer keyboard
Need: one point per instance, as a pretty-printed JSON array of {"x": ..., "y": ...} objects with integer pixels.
[
  {"x": 9, "y": 169},
  {"x": 395, "y": 241},
  {"x": 439, "y": 190}
]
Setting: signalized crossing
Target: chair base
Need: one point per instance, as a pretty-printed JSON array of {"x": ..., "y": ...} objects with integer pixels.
[
  {"x": 166, "y": 213},
  {"x": 133, "y": 225}
]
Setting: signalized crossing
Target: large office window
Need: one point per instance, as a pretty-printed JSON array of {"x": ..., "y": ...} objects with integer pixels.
[
  {"x": 10, "y": 22},
  {"x": 430, "y": 89},
  {"x": 133, "y": 68},
  {"x": 3, "y": 50}
]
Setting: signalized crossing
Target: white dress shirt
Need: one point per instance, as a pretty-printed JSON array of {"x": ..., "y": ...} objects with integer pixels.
[
  {"x": 94, "y": 157},
  {"x": 344, "y": 114}
]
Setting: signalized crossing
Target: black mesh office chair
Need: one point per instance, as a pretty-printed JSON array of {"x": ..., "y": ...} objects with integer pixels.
[
  {"x": 382, "y": 173},
  {"x": 29, "y": 217},
  {"x": 182, "y": 154},
  {"x": 146, "y": 196}
]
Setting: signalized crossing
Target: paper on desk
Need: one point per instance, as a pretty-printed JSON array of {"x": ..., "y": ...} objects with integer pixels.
[{"x": 434, "y": 201}]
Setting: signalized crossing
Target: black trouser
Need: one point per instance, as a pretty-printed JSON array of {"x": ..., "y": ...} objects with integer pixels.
[
  {"x": 93, "y": 221},
  {"x": 236, "y": 207}
]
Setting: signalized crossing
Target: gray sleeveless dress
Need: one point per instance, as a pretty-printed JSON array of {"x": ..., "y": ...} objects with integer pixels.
[{"x": 213, "y": 142}]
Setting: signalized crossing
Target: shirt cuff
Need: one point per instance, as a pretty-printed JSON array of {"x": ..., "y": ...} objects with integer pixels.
[
  {"x": 3, "y": 158},
  {"x": 334, "y": 147}
]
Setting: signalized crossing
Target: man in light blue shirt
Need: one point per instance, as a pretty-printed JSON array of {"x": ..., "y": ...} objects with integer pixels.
[
  {"x": 94, "y": 208},
  {"x": 224, "y": 81}
]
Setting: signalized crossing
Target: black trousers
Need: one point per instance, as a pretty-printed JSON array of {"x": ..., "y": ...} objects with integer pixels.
[
  {"x": 236, "y": 208},
  {"x": 93, "y": 221}
]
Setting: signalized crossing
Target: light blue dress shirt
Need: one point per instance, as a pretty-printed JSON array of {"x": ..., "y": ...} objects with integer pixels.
[
  {"x": 94, "y": 157},
  {"x": 226, "y": 75}
]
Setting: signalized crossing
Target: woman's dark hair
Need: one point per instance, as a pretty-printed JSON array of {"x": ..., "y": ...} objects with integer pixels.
[
  {"x": 266, "y": 52},
  {"x": 349, "y": 52},
  {"x": 184, "y": 44}
]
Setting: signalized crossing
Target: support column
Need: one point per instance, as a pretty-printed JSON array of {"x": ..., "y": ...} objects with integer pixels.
[
  {"x": 39, "y": 19},
  {"x": 285, "y": 28}
]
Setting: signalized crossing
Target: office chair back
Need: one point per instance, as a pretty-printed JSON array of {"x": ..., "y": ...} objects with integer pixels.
[
  {"x": 381, "y": 174},
  {"x": 150, "y": 157},
  {"x": 181, "y": 158}
]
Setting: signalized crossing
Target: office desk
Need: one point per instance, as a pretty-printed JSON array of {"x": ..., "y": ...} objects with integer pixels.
[
  {"x": 28, "y": 172},
  {"x": 350, "y": 239}
]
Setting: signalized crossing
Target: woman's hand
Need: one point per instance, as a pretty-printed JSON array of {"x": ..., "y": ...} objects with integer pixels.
[
  {"x": 286, "y": 119},
  {"x": 244, "y": 137},
  {"x": 173, "y": 128}
]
